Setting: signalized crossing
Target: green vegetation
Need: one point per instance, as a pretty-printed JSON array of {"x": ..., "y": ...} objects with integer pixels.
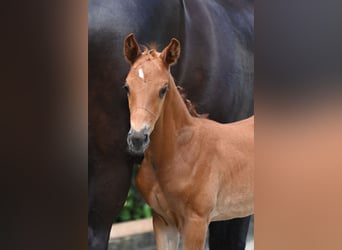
[{"x": 135, "y": 207}]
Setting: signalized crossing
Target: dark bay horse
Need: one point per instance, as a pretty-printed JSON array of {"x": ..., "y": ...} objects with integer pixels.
[
  {"x": 215, "y": 68},
  {"x": 194, "y": 170}
]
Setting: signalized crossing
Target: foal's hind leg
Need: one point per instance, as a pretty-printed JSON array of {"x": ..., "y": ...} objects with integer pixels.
[
  {"x": 194, "y": 233},
  {"x": 167, "y": 236}
]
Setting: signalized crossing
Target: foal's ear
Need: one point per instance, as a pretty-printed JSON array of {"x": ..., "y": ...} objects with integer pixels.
[
  {"x": 131, "y": 49},
  {"x": 171, "y": 53}
]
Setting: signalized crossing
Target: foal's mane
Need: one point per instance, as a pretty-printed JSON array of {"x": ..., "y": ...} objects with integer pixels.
[
  {"x": 151, "y": 50},
  {"x": 191, "y": 107}
]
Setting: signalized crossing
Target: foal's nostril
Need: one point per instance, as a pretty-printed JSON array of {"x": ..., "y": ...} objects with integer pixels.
[
  {"x": 145, "y": 138},
  {"x": 137, "y": 141}
]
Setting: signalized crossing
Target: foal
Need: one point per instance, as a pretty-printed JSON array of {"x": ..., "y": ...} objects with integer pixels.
[{"x": 194, "y": 170}]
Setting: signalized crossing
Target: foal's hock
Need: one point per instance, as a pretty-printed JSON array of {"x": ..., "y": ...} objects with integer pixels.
[{"x": 194, "y": 170}]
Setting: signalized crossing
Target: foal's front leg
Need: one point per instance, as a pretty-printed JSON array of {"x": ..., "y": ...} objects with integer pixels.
[
  {"x": 194, "y": 233},
  {"x": 167, "y": 236}
]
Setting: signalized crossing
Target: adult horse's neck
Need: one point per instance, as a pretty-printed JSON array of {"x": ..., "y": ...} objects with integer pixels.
[{"x": 173, "y": 119}]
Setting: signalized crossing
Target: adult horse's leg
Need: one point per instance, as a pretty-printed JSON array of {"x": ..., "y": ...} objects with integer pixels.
[
  {"x": 167, "y": 236},
  {"x": 108, "y": 190},
  {"x": 229, "y": 235}
]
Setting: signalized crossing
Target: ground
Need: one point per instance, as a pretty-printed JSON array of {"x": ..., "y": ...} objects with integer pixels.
[{"x": 146, "y": 241}]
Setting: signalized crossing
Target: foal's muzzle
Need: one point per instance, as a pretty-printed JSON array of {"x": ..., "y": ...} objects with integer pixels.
[{"x": 138, "y": 141}]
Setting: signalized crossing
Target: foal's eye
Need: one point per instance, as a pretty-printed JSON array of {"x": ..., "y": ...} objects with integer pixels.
[
  {"x": 126, "y": 88},
  {"x": 163, "y": 90}
]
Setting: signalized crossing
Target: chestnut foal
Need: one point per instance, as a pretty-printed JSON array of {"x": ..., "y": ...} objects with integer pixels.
[{"x": 194, "y": 170}]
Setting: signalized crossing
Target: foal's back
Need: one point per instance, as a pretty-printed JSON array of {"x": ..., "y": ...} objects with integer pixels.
[{"x": 225, "y": 137}]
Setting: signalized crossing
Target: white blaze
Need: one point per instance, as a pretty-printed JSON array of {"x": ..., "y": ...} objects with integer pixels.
[{"x": 141, "y": 73}]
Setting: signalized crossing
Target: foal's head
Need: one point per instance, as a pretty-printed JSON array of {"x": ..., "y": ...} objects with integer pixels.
[{"x": 146, "y": 85}]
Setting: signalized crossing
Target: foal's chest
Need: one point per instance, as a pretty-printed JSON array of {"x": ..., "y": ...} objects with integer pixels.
[{"x": 162, "y": 199}]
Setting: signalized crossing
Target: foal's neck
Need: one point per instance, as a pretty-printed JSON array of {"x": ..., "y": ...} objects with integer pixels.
[{"x": 174, "y": 118}]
